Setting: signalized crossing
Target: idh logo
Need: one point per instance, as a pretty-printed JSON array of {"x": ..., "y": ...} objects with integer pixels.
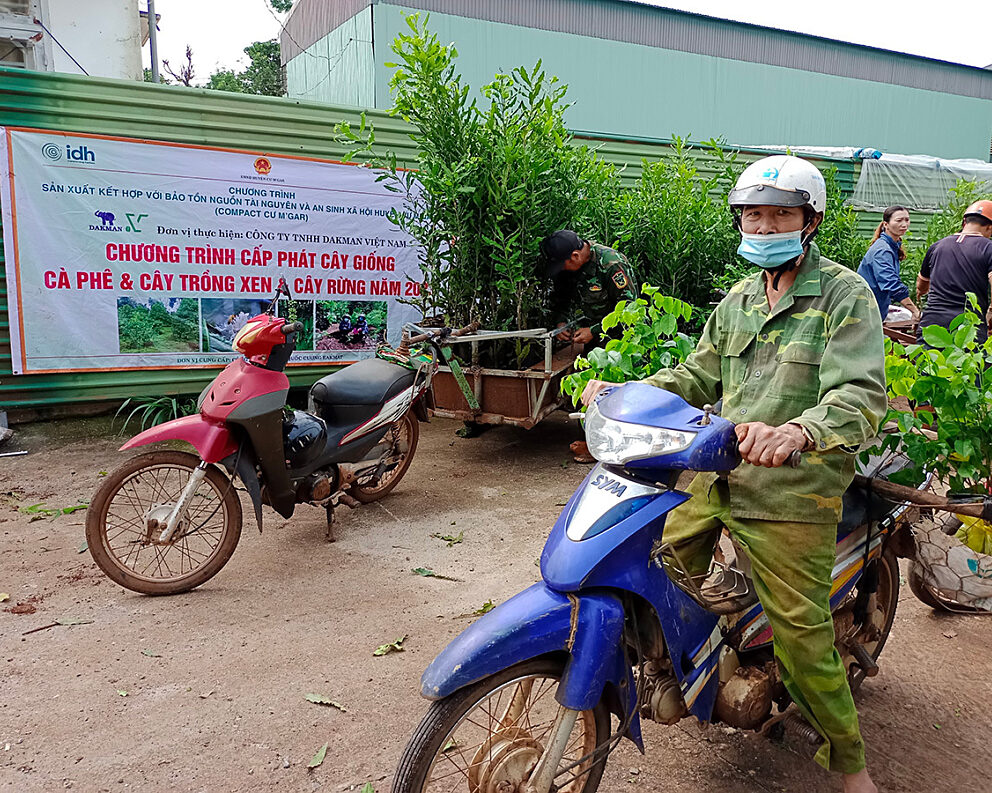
[
  {"x": 80, "y": 153},
  {"x": 263, "y": 166}
]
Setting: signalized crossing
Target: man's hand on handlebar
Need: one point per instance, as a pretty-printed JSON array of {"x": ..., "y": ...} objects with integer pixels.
[
  {"x": 771, "y": 447},
  {"x": 592, "y": 389}
]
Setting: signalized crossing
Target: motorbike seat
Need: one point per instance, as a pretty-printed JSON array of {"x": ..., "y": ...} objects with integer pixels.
[
  {"x": 369, "y": 382},
  {"x": 857, "y": 503}
]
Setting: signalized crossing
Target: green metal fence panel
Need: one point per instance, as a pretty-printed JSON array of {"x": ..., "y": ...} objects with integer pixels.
[{"x": 211, "y": 118}]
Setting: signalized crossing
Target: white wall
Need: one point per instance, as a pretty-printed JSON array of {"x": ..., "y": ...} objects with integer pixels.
[{"x": 103, "y": 35}]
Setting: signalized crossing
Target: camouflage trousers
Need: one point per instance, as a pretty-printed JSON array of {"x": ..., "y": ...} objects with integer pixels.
[{"x": 791, "y": 566}]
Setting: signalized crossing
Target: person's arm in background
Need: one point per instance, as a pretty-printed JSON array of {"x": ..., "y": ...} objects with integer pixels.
[
  {"x": 885, "y": 266},
  {"x": 923, "y": 279}
]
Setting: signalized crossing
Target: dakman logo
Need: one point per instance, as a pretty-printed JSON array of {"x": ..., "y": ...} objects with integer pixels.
[
  {"x": 106, "y": 222},
  {"x": 54, "y": 152},
  {"x": 263, "y": 167}
]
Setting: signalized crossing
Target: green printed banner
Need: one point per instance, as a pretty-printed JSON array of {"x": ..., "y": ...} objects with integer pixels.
[{"x": 134, "y": 254}]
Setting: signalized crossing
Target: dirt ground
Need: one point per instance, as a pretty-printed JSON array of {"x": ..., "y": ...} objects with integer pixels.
[{"x": 205, "y": 691}]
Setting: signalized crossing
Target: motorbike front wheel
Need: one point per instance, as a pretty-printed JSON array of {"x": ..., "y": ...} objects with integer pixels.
[
  {"x": 487, "y": 737},
  {"x": 129, "y": 512},
  {"x": 398, "y": 447}
]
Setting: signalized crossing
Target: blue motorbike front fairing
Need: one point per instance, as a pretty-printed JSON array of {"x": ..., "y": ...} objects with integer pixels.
[
  {"x": 602, "y": 547},
  {"x": 540, "y": 621}
]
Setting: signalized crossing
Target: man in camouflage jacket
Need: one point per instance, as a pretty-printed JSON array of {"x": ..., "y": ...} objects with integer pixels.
[
  {"x": 589, "y": 280},
  {"x": 796, "y": 354}
]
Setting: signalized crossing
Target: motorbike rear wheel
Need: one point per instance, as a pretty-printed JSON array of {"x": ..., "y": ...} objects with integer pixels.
[
  {"x": 400, "y": 439},
  {"x": 128, "y": 513},
  {"x": 487, "y": 737}
]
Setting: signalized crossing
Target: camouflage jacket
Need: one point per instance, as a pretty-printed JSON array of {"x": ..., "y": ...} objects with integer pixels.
[
  {"x": 594, "y": 291},
  {"x": 816, "y": 360}
]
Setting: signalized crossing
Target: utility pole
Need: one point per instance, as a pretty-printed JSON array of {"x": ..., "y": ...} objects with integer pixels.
[{"x": 153, "y": 41}]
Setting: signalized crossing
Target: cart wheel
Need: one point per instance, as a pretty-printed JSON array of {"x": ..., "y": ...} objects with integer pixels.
[{"x": 472, "y": 429}]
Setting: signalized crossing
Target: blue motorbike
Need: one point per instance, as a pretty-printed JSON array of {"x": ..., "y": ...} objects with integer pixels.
[{"x": 524, "y": 700}]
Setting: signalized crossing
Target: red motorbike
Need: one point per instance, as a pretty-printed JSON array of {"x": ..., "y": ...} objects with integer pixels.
[{"x": 167, "y": 521}]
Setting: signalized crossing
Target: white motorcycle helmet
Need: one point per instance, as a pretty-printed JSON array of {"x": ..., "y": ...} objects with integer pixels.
[{"x": 780, "y": 180}]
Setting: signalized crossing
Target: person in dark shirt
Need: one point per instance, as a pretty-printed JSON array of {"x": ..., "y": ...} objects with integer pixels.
[{"x": 956, "y": 265}]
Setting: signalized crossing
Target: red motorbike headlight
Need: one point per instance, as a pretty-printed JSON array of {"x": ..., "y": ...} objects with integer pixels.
[{"x": 245, "y": 337}]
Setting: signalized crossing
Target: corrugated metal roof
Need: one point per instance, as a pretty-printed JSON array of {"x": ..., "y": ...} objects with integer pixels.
[{"x": 637, "y": 23}]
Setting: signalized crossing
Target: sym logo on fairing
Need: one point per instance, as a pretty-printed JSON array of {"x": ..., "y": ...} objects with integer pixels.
[{"x": 609, "y": 485}]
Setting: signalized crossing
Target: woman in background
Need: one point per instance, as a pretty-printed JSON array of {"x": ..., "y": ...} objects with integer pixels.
[{"x": 880, "y": 265}]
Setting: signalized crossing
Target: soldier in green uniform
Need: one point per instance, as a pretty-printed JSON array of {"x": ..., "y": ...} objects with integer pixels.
[
  {"x": 589, "y": 280},
  {"x": 795, "y": 352}
]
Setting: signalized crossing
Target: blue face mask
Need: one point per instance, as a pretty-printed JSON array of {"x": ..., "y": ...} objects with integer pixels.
[{"x": 771, "y": 250}]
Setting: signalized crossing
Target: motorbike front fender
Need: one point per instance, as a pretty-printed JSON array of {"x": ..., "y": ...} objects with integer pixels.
[
  {"x": 213, "y": 441},
  {"x": 540, "y": 621}
]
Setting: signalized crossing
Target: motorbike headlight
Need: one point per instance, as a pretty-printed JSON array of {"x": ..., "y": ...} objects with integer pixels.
[{"x": 619, "y": 442}]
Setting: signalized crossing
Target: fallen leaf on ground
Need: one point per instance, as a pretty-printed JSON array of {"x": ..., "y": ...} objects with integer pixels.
[
  {"x": 450, "y": 539},
  {"x": 204, "y": 696},
  {"x": 391, "y": 647},
  {"x": 84, "y": 547},
  {"x": 4, "y": 597},
  {"x": 367, "y": 788},
  {"x": 451, "y": 744},
  {"x": 318, "y": 758},
  {"x": 426, "y": 572},
  {"x": 72, "y": 621},
  {"x": 950, "y": 634},
  {"x": 75, "y": 508},
  {"x": 151, "y": 653},
  {"x": 485, "y": 608},
  {"x": 121, "y": 692},
  {"x": 22, "y": 608},
  {"x": 320, "y": 699}
]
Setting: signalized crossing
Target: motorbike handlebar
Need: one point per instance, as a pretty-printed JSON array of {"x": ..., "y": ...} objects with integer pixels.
[
  {"x": 292, "y": 327},
  {"x": 794, "y": 459},
  {"x": 472, "y": 327}
]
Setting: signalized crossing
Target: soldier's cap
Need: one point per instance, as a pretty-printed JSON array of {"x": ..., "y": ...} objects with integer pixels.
[{"x": 557, "y": 248}]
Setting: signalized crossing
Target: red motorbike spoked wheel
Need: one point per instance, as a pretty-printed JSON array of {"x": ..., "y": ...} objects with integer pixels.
[
  {"x": 128, "y": 514},
  {"x": 401, "y": 438}
]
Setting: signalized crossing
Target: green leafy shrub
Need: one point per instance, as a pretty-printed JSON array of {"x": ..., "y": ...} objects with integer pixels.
[
  {"x": 493, "y": 177},
  {"x": 675, "y": 225},
  {"x": 838, "y": 238},
  {"x": 150, "y": 411},
  {"x": 650, "y": 340},
  {"x": 952, "y": 381}
]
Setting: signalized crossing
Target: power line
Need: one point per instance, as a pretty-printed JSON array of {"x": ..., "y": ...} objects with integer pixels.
[
  {"x": 78, "y": 64},
  {"x": 289, "y": 35}
]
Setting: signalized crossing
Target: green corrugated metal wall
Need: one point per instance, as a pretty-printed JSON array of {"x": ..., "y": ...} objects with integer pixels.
[{"x": 209, "y": 118}]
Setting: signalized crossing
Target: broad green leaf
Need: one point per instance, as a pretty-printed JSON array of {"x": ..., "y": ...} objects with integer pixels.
[
  {"x": 937, "y": 336},
  {"x": 390, "y": 647},
  {"x": 318, "y": 757},
  {"x": 485, "y": 608},
  {"x": 320, "y": 699}
]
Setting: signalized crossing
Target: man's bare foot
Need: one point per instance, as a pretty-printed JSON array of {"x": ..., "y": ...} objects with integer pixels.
[
  {"x": 859, "y": 783},
  {"x": 581, "y": 452}
]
